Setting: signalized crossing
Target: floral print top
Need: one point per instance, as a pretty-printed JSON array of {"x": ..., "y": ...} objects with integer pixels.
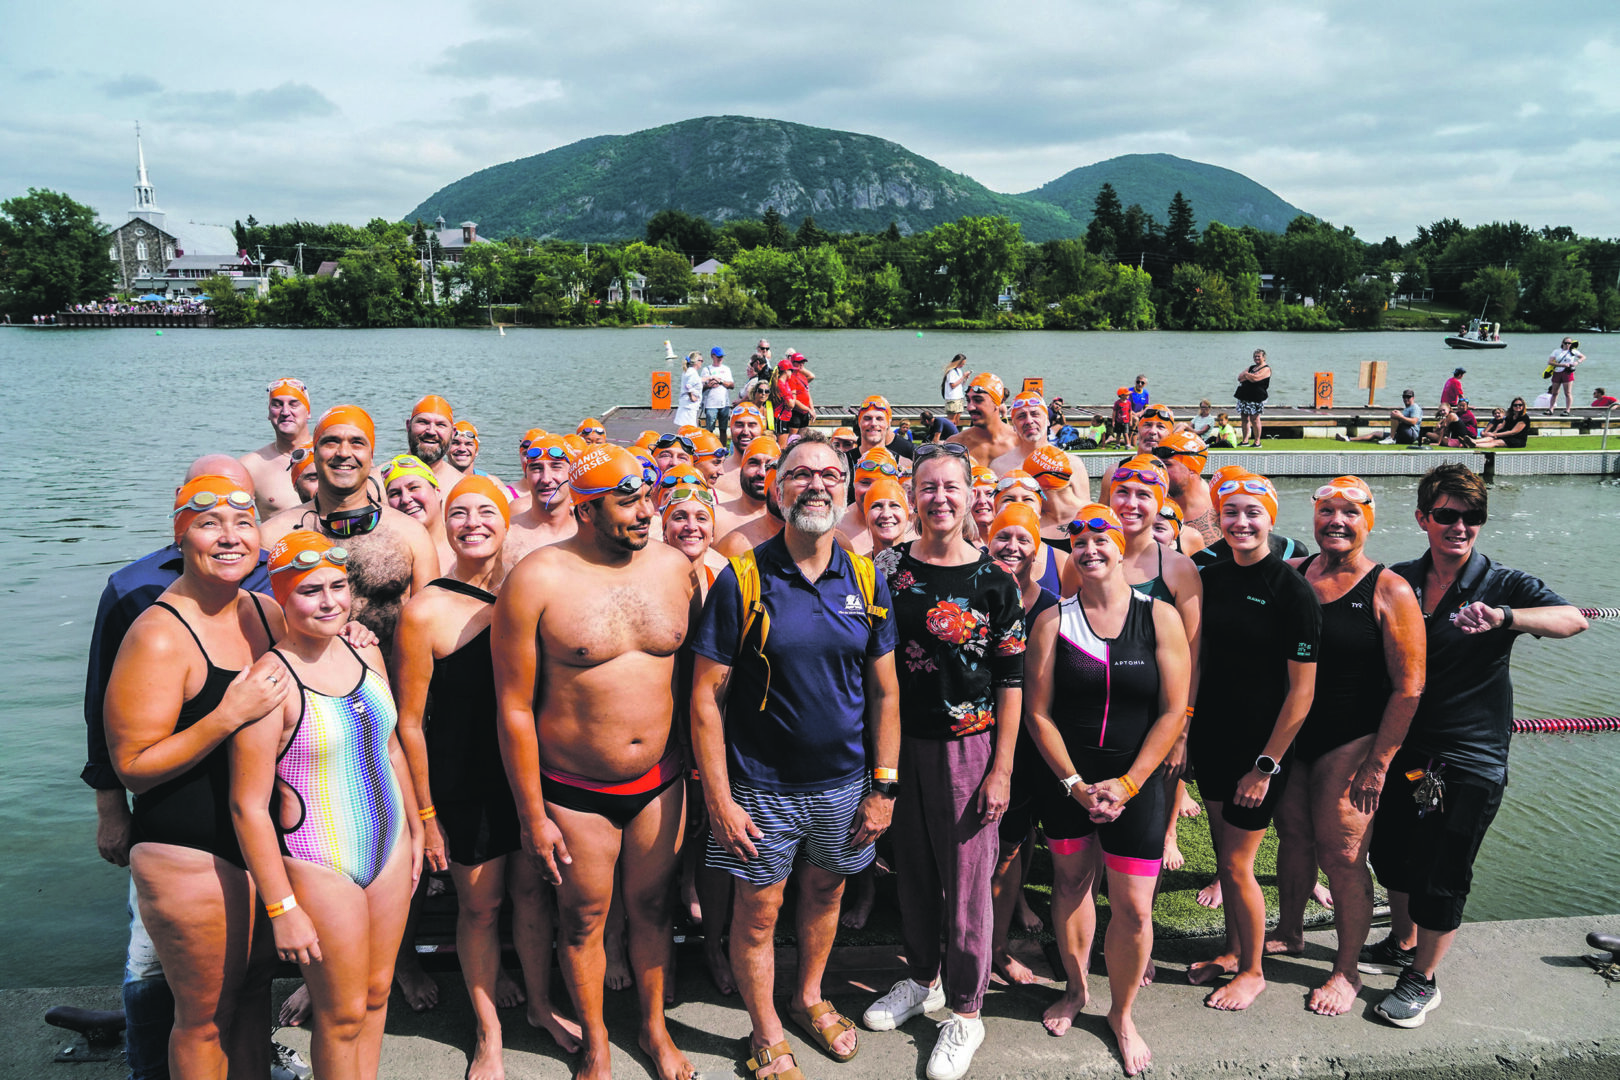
[{"x": 960, "y": 638}]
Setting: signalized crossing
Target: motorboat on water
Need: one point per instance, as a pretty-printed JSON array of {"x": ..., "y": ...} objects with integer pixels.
[{"x": 1479, "y": 335}]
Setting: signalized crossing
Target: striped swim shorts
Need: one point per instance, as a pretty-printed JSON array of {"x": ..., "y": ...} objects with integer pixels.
[{"x": 817, "y": 821}]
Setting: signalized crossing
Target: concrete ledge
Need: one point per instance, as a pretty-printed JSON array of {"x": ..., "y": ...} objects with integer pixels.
[
  {"x": 1329, "y": 462},
  {"x": 1517, "y": 1002}
]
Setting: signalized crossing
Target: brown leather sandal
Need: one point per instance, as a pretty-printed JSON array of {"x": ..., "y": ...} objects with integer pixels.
[
  {"x": 806, "y": 1019},
  {"x": 765, "y": 1055}
]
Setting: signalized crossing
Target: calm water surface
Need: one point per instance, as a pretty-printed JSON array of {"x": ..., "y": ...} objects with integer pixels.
[{"x": 104, "y": 421}]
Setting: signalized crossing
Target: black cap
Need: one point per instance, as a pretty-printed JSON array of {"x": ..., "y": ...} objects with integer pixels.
[{"x": 1458, "y": 371}]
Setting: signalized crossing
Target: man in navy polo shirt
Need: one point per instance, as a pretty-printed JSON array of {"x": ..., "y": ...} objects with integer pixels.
[
  {"x": 797, "y": 749},
  {"x": 1455, "y": 755}
]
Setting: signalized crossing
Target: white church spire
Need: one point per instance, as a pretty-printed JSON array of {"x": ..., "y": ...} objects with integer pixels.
[{"x": 145, "y": 199}]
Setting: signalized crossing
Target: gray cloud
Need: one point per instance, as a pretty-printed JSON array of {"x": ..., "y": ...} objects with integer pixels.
[
  {"x": 289, "y": 101},
  {"x": 128, "y": 86}
]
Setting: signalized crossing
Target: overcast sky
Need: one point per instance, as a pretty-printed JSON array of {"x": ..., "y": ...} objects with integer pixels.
[{"x": 1377, "y": 115}]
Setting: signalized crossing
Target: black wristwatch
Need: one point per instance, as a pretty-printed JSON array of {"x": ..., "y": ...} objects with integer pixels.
[
  {"x": 891, "y": 788},
  {"x": 1267, "y": 766},
  {"x": 1507, "y": 617}
]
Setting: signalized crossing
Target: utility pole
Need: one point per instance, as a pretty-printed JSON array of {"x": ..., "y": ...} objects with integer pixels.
[{"x": 300, "y": 247}]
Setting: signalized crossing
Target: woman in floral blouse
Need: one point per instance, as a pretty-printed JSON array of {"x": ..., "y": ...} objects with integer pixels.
[{"x": 960, "y": 661}]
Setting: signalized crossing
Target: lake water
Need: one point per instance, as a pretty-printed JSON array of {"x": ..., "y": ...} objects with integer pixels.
[{"x": 104, "y": 421}]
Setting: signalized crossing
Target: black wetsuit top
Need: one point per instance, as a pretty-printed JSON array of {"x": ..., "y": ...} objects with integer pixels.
[
  {"x": 1105, "y": 691},
  {"x": 194, "y": 809},
  {"x": 1352, "y": 676},
  {"x": 1284, "y": 547}
]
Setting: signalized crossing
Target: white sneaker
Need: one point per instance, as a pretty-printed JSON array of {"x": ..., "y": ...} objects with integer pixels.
[
  {"x": 953, "y": 1053},
  {"x": 900, "y": 1004},
  {"x": 1387, "y": 440}
]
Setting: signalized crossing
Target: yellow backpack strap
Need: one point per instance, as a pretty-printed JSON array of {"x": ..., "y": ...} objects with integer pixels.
[
  {"x": 866, "y": 578},
  {"x": 746, "y": 567}
]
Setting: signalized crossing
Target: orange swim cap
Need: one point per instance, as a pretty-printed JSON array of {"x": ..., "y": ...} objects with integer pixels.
[
  {"x": 983, "y": 476},
  {"x": 874, "y": 401},
  {"x": 1088, "y": 517},
  {"x": 646, "y": 439},
  {"x": 765, "y": 446},
  {"x": 685, "y": 493},
  {"x": 1028, "y": 399},
  {"x": 707, "y": 444},
  {"x": 303, "y": 457},
  {"x": 591, "y": 424},
  {"x": 351, "y": 415},
  {"x": 879, "y": 453},
  {"x": 465, "y": 427},
  {"x": 1251, "y": 484},
  {"x": 290, "y": 387},
  {"x": 575, "y": 444},
  {"x": 484, "y": 487},
  {"x": 1141, "y": 463},
  {"x": 1021, "y": 515},
  {"x": 603, "y": 468},
  {"x": 845, "y": 433},
  {"x": 991, "y": 385},
  {"x": 1353, "y": 488},
  {"x": 1171, "y": 511},
  {"x": 435, "y": 405},
  {"x": 1050, "y": 467},
  {"x": 529, "y": 436},
  {"x": 1192, "y": 450},
  {"x": 299, "y": 554},
  {"x": 203, "y": 493},
  {"x": 747, "y": 408},
  {"x": 885, "y": 487}
]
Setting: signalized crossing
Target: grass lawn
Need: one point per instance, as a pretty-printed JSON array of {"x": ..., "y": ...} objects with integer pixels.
[{"x": 1567, "y": 443}]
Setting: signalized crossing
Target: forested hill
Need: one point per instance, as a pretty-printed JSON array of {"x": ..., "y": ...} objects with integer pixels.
[
  {"x": 729, "y": 167},
  {"x": 1152, "y": 180}
]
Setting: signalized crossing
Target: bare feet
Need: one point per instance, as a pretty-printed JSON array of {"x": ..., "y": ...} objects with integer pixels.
[
  {"x": 507, "y": 992},
  {"x": 1026, "y": 916},
  {"x": 670, "y": 1063},
  {"x": 618, "y": 975},
  {"x": 487, "y": 1061},
  {"x": 1238, "y": 994},
  {"x": 1280, "y": 945},
  {"x": 1059, "y": 1016},
  {"x": 1133, "y": 1051},
  {"x": 669, "y": 977},
  {"x": 1173, "y": 858},
  {"x": 1188, "y": 806},
  {"x": 420, "y": 991},
  {"x": 1013, "y": 971},
  {"x": 859, "y": 900},
  {"x": 1321, "y": 895},
  {"x": 1207, "y": 971},
  {"x": 1150, "y": 972},
  {"x": 595, "y": 1064},
  {"x": 1210, "y": 895},
  {"x": 563, "y": 1031},
  {"x": 1336, "y": 996},
  {"x": 719, "y": 962},
  {"x": 296, "y": 1010}
]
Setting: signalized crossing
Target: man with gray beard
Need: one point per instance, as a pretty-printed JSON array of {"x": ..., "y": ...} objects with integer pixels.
[
  {"x": 428, "y": 433},
  {"x": 796, "y": 732}
]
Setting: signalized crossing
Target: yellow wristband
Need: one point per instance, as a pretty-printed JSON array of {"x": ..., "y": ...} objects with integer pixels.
[
  {"x": 890, "y": 775},
  {"x": 1131, "y": 790},
  {"x": 427, "y": 813},
  {"x": 282, "y": 908},
  {"x": 1189, "y": 712}
]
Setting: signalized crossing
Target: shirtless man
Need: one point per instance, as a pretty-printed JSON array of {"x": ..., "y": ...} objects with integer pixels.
[
  {"x": 747, "y": 424},
  {"x": 759, "y": 457},
  {"x": 584, "y": 642},
  {"x": 990, "y": 439},
  {"x": 391, "y": 557},
  {"x": 546, "y": 514},
  {"x": 268, "y": 465},
  {"x": 1064, "y": 488},
  {"x": 1029, "y": 422},
  {"x": 1185, "y": 455},
  {"x": 1154, "y": 423},
  {"x": 428, "y": 433},
  {"x": 755, "y": 531},
  {"x": 874, "y": 422},
  {"x": 872, "y": 466},
  {"x": 709, "y": 456}
]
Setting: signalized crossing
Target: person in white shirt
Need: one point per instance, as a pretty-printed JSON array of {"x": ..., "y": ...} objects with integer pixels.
[
  {"x": 690, "y": 397},
  {"x": 717, "y": 386},
  {"x": 1564, "y": 360},
  {"x": 953, "y": 387}
]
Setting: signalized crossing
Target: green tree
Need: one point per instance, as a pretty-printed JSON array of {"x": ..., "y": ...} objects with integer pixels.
[
  {"x": 1181, "y": 229},
  {"x": 776, "y": 234},
  {"x": 764, "y": 271},
  {"x": 53, "y": 254},
  {"x": 669, "y": 274},
  {"x": 817, "y": 279},
  {"x": 1364, "y": 300},
  {"x": 1127, "y": 299},
  {"x": 1107, "y": 225},
  {"x": 300, "y": 301},
  {"x": 1227, "y": 251},
  {"x": 809, "y": 235},
  {"x": 1493, "y": 290},
  {"x": 686, "y": 233},
  {"x": 881, "y": 297},
  {"x": 1200, "y": 299},
  {"x": 1316, "y": 259},
  {"x": 232, "y": 306},
  {"x": 981, "y": 255}
]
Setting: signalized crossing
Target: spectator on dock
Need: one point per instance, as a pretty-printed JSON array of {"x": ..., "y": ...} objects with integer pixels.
[
  {"x": 717, "y": 387},
  {"x": 1140, "y": 398},
  {"x": 1452, "y": 391},
  {"x": 689, "y": 395},
  {"x": 1455, "y": 755},
  {"x": 1203, "y": 422},
  {"x": 936, "y": 428},
  {"x": 1223, "y": 435},
  {"x": 1564, "y": 360},
  {"x": 1405, "y": 424},
  {"x": 953, "y": 386},
  {"x": 1603, "y": 400},
  {"x": 1254, "y": 387},
  {"x": 1509, "y": 429}
]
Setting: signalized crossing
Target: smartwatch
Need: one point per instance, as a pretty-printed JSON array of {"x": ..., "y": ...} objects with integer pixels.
[
  {"x": 891, "y": 788},
  {"x": 1267, "y": 766},
  {"x": 1069, "y": 783}
]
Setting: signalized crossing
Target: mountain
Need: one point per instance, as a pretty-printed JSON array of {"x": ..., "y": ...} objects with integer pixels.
[
  {"x": 723, "y": 167},
  {"x": 726, "y": 167},
  {"x": 1216, "y": 194}
]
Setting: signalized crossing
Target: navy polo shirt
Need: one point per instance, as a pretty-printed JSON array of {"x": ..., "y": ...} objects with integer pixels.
[
  {"x": 1465, "y": 716},
  {"x": 129, "y": 592},
  {"x": 811, "y": 735}
]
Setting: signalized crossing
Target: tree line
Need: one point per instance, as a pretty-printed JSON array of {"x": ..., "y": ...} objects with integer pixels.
[{"x": 1127, "y": 272}]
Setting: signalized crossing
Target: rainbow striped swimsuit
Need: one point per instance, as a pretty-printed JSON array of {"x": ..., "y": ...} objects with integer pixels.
[{"x": 350, "y": 809}]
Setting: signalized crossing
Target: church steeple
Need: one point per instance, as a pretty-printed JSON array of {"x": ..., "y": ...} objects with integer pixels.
[{"x": 145, "y": 198}]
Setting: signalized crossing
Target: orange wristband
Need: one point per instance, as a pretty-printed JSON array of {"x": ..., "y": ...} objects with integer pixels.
[
  {"x": 890, "y": 775},
  {"x": 427, "y": 813},
  {"x": 1131, "y": 790},
  {"x": 272, "y": 910}
]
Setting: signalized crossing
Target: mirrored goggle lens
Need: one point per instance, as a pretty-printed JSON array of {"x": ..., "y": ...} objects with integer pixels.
[
  {"x": 879, "y": 467},
  {"x": 1096, "y": 524},
  {"x": 1146, "y": 476},
  {"x": 555, "y": 453}
]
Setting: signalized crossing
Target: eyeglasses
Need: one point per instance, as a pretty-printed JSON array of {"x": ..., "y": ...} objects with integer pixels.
[
  {"x": 878, "y": 466},
  {"x": 1253, "y": 487},
  {"x": 207, "y": 500},
  {"x": 951, "y": 448},
  {"x": 1096, "y": 524},
  {"x": 555, "y": 453},
  {"x": 832, "y": 477},
  {"x": 666, "y": 441},
  {"x": 1026, "y": 482},
  {"x": 1155, "y": 412},
  {"x": 1449, "y": 515},
  {"x": 1353, "y": 494},
  {"x": 309, "y": 560},
  {"x": 1146, "y": 476}
]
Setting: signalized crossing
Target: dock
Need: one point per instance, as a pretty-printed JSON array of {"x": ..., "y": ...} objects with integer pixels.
[{"x": 1518, "y": 1001}]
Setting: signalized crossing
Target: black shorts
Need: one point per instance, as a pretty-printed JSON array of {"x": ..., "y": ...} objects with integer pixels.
[
  {"x": 1222, "y": 758},
  {"x": 618, "y": 802},
  {"x": 1132, "y": 843},
  {"x": 478, "y": 830},
  {"x": 1030, "y": 773},
  {"x": 1431, "y": 858}
]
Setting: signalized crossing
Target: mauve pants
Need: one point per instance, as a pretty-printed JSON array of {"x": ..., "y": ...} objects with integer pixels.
[{"x": 945, "y": 860}]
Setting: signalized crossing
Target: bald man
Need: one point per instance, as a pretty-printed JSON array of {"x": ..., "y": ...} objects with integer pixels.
[{"x": 268, "y": 465}]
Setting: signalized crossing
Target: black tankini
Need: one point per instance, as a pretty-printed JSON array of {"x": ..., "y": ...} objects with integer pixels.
[
  {"x": 1029, "y": 768},
  {"x": 477, "y": 813},
  {"x": 1352, "y": 675},
  {"x": 194, "y": 809}
]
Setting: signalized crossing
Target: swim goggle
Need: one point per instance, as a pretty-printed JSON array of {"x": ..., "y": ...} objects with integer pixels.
[
  {"x": 555, "y": 453},
  {"x": 1028, "y": 401},
  {"x": 1095, "y": 524},
  {"x": 347, "y": 523},
  {"x": 630, "y": 485},
  {"x": 591, "y": 431},
  {"x": 666, "y": 441},
  {"x": 1026, "y": 482},
  {"x": 1449, "y": 515},
  {"x": 1344, "y": 491},
  {"x": 1253, "y": 487},
  {"x": 878, "y": 466},
  {"x": 952, "y": 448},
  {"x": 1146, "y": 476},
  {"x": 299, "y": 455},
  {"x": 1064, "y": 475},
  {"x": 691, "y": 491},
  {"x": 675, "y": 479},
  {"x": 1158, "y": 412},
  {"x": 206, "y": 500},
  {"x": 1169, "y": 513},
  {"x": 297, "y": 384},
  {"x": 309, "y": 560},
  {"x": 1165, "y": 453}
]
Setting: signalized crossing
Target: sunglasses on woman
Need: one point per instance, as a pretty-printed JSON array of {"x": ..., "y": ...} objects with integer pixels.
[
  {"x": 930, "y": 449},
  {"x": 309, "y": 560},
  {"x": 207, "y": 500},
  {"x": 1449, "y": 515}
]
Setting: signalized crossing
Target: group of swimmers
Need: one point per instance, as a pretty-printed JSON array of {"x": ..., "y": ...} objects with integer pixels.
[{"x": 356, "y": 671}]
